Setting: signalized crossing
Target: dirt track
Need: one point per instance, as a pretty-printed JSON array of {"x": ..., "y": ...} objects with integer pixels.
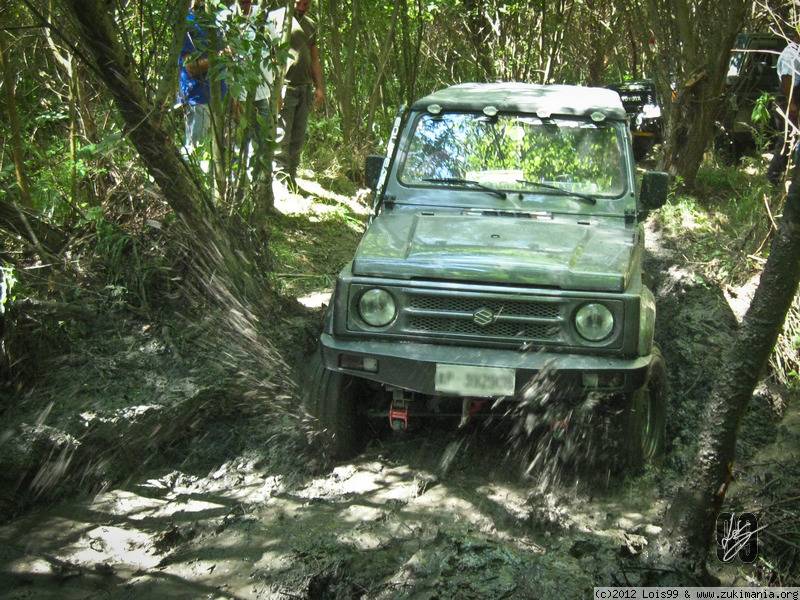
[
  {"x": 437, "y": 514},
  {"x": 383, "y": 526}
]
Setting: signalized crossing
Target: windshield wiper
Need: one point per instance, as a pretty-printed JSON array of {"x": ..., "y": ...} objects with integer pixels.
[
  {"x": 562, "y": 191},
  {"x": 458, "y": 181}
]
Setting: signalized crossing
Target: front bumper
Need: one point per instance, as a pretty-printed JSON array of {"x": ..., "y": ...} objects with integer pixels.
[{"x": 412, "y": 365}]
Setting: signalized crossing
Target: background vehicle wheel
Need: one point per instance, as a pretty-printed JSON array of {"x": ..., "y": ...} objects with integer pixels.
[
  {"x": 335, "y": 400},
  {"x": 641, "y": 148},
  {"x": 727, "y": 149},
  {"x": 644, "y": 418}
]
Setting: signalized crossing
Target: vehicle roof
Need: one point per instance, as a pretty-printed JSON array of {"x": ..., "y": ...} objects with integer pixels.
[
  {"x": 562, "y": 100},
  {"x": 638, "y": 84},
  {"x": 746, "y": 41}
]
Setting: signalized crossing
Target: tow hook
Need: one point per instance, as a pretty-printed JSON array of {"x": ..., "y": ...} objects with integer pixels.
[
  {"x": 559, "y": 428},
  {"x": 398, "y": 410},
  {"x": 469, "y": 408}
]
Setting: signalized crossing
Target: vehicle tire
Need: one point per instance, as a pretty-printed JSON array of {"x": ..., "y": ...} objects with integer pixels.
[
  {"x": 727, "y": 149},
  {"x": 335, "y": 400},
  {"x": 641, "y": 148},
  {"x": 644, "y": 418}
]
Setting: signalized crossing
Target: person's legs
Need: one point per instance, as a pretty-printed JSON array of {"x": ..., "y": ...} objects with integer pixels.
[
  {"x": 781, "y": 144},
  {"x": 198, "y": 125},
  {"x": 285, "y": 129},
  {"x": 299, "y": 126},
  {"x": 196, "y": 131},
  {"x": 780, "y": 159}
]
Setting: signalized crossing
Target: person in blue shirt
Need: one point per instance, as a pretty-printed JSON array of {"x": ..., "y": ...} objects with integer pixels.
[{"x": 194, "y": 88}]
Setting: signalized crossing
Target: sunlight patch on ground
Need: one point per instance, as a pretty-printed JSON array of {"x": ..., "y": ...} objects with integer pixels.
[
  {"x": 441, "y": 500},
  {"x": 289, "y": 202},
  {"x": 362, "y": 540},
  {"x": 358, "y": 513},
  {"x": 510, "y": 499},
  {"x": 753, "y": 170},
  {"x": 316, "y": 299},
  {"x": 688, "y": 221},
  {"x": 344, "y": 480},
  {"x": 114, "y": 545},
  {"x": 31, "y": 566},
  {"x": 357, "y": 205},
  {"x": 128, "y": 504},
  {"x": 739, "y": 298}
]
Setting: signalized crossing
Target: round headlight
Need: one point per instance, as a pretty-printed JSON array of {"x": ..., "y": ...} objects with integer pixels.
[
  {"x": 594, "y": 322},
  {"x": 377, "y": 307}
]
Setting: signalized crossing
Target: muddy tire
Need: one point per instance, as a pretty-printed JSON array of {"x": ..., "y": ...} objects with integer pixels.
[
  {"x": 644, "y": 418},
  {"x": 728, "y": 149},
  {"x": 335, "y": 400},
  {"x": 641, "y": 148}
]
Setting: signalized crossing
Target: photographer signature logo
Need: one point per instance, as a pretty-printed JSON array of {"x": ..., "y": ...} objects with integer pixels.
[{"x": 737, "y": 536}]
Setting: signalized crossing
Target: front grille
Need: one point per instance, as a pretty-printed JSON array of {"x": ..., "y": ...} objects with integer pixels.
[
  {"x": 633, "y": 102},
  {"x": 511, "y": 308},
  {"x": 482, "y": 316},
  {"x": 489, "y": 317},
  {"x": 501, "y": 329}
]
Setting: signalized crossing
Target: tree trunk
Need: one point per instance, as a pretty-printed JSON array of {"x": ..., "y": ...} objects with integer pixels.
[
  {"x": 13, "y": 120},
  {"x": 343, "y": 50},
  {"x": 73, "y": 142},
  {"x": 218, "y": 114},
  {"x": 694, "y": 44},
  {"x": 691, "y": 126},
  {"x": 168, "y": 85},
  {"x": 690, "y": 520},
  {"x": 383, "y": 54},
  {"x": 154, "y": 144}
]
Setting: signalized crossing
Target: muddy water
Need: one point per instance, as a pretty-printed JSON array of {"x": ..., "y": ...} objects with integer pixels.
[
  {"x": 437, "y": 514},
  {"x": 388, "y": 525}
]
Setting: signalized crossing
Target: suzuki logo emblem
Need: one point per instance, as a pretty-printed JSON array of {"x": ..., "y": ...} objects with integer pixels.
[{"x": 483, "y": 317}]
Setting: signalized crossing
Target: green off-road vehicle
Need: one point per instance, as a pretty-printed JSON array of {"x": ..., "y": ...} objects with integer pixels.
[
  {"x": 640, "y": 100},
  {"x": 506, "y": 241},
  {"x": 751, "y": 74}
]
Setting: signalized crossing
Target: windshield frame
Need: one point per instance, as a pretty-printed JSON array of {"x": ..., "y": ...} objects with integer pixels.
[{"x": 621, "y": 135}]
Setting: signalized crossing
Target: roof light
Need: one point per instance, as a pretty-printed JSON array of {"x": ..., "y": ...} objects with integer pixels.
[
  {"x": 434, "y": 109},
  {"x": 598, "y": 117},
  {"x": 490, "y": 111}
]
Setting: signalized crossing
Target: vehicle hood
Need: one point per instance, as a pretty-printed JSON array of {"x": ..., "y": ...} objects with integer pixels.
[{"x": 593, "y": 254}]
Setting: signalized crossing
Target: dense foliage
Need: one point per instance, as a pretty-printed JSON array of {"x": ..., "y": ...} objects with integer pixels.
[{"x": 103, "y": 212}]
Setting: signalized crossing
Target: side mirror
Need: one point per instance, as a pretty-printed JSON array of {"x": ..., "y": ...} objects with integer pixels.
[
  {"x": 372, "y": 171},
  {"x": 655, "y": 186}
]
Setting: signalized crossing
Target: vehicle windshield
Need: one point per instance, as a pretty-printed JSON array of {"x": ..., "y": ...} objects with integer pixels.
[
  {"x": 759, "y": 56},
  {"x": 515, "y": 152}
]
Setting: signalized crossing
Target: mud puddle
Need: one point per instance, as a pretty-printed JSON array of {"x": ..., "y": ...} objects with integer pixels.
[
  {"x": 436, "y": 514},
  {"x": 389, "y": 525}
]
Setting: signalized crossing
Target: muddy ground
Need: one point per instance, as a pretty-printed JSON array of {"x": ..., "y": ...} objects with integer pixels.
[{"x": 158, "y": 487}]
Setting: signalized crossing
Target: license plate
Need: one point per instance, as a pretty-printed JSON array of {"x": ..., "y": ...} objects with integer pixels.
[{"x": 483, "y": 382}]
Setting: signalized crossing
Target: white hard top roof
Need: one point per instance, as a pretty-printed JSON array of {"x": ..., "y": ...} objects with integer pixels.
[{"x": 542, "y": 100}]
